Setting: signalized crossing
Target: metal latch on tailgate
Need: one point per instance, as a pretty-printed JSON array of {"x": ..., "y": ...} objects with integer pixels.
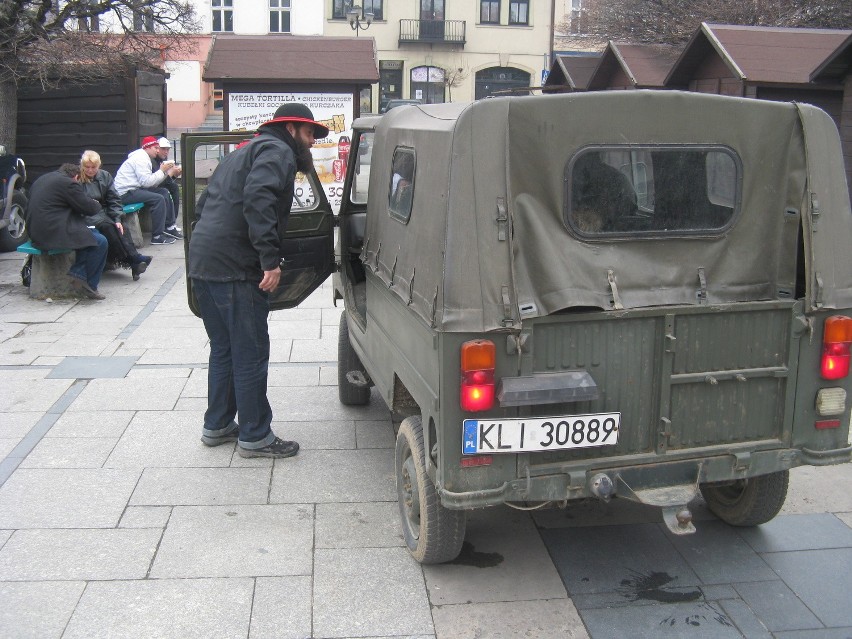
[
  {"x": 701, "y": 294},
  {"x": 613, "y": 287},
  {"x": 502, "y": 220}
]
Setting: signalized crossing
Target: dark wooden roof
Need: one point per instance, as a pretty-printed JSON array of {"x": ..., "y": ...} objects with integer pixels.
[
  {"x": 837, "y": 65},
  {"x": 297, "y": 59},
  {"x": 770, "y": 55},
  {"x": 572, "y": 71},
  {"x": 645, "y": 65}
]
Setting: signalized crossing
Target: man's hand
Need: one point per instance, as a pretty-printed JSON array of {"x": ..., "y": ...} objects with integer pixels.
[
  {"x": 120, "y": 228},
  {"x": 175, "y": 171},
  {"x": 166, "y": 165},
  {"x": 270, "y": 280}
]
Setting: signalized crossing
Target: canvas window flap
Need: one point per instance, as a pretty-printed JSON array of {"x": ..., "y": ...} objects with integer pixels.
[{"x": 556, "y": 269}]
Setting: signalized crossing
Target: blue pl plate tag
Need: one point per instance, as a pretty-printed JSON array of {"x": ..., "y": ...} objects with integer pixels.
[{"x": 469, "y": 435}]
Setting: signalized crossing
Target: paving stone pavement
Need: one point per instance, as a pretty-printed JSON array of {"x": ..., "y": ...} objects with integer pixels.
[{"x": 115, "y": 521}]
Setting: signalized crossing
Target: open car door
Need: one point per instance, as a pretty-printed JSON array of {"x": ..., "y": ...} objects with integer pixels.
[{"x": 309, "y": 244}]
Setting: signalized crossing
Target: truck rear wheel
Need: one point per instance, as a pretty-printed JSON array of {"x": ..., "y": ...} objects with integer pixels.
[
  {"x": 434, "y": 534},
  {"x": 748, "y": 502},
  {"x": 348, "y": 361}
]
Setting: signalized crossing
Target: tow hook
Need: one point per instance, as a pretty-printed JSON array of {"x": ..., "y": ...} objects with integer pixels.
[
  {"x": 602, "y": 486},
  {"x": 678, "y": 519},
  {"x": 673, "y": 501}
]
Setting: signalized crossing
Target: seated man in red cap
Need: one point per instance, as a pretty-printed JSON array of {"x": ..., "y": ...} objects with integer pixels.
[
  {"x": 235, "y": 253},
  {"x": 171, "y": 181},
  {"x": 137, "y": 181}
]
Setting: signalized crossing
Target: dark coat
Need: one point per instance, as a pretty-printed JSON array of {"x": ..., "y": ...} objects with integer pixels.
[
  {"x": 55, "y": 213},
  {"x": 243, "y": 212},
  {"x": 103, "y": 190}
]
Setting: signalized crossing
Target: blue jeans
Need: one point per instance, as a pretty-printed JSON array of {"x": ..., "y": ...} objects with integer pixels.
[
  {"x": 159, "y": 204},
  {"x": 89, "y": 263},
  {"x": 235, "y": 316}
]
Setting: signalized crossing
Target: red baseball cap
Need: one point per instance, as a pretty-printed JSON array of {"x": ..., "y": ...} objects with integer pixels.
[{"x": 149, "y": 141}]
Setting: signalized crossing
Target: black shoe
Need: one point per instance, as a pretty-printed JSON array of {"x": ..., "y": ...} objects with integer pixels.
[
  {"x": 137, "y": 269},
  {"x": 162, "y": 239},
  {"x": 231, "y": 436},
  {"x": 86, "y": 290},
  {"x": 278, "y": 449},
  {"x": 145, "y": 258},
  {"x": 174, "y": 232}
]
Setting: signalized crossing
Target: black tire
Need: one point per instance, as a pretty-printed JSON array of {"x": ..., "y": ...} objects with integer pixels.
[
  {"x": 433, "y": 534},
  {"x": 12, "y": 236},
  {"x": 348, "y": 360},
  {"x": 748, "y": 502}
]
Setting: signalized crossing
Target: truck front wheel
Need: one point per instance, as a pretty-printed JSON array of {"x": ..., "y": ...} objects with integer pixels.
[
  {"x": 747, "y": 502},
  {"x": 434, "y": 534}
]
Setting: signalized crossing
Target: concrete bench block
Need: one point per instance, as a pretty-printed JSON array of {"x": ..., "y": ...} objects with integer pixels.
[
  {"x": 131, "y": 224},
  {"x": 50, "y": 276},
  {"x": 137, "y": 222}
]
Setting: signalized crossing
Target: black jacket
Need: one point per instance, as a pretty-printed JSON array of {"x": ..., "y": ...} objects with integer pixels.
[
  {"x": 102, "y": 189},
  {"x": 55, "y": 213},
  {"x": 243, "y": 213}
]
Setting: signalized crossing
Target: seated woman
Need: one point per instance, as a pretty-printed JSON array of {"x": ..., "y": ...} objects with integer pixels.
[{"x": 98, "y": 185}]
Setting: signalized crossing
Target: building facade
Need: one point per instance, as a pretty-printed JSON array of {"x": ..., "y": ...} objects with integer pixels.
[
  {"x": 449, "y": 50},
  {"x": 432, "y": 50},
  {"x": 190, "y": 99}
]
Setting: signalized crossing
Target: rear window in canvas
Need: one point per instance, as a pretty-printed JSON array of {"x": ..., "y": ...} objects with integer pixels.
[{"x": 634, "y": 191}]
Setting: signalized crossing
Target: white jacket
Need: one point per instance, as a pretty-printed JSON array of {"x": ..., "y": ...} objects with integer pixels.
[{"x": 136, "y": 172}]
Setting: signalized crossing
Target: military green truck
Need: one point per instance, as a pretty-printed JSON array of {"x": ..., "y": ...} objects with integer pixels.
[{"x": 644, "y": 295}]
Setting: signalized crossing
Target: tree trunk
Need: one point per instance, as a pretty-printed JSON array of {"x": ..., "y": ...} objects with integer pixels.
[{"x": 8, "y": 114}]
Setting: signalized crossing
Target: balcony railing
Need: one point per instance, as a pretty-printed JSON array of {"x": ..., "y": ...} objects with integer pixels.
[{"x": 430, "y": 31}]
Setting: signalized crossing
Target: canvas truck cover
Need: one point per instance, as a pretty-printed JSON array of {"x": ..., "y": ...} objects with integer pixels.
[{"x": 488, "y": 243}]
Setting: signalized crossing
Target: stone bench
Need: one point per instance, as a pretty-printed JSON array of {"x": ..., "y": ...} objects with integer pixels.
[
  {"x": 136, "y": 221},
  {"x": 49, "y": 276}
]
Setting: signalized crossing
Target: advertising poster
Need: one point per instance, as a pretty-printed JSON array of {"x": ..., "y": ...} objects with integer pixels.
[{"x": 247, "y": 111}]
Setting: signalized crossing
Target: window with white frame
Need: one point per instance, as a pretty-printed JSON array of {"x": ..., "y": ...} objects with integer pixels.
[
  {"x": 489, "y": 11},
  {"x": 519, "y": 12},
  {"x": 340, "y": 7},
  {"x": 143, "y": 20},
  {"x": 90, "y": 23},
  {"x": 223, "y": 15},
  {"x": 85, "y": 22},
  {"x": 279, "y": 16}
]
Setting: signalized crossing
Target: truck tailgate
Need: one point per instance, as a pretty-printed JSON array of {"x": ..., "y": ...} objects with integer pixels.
[{"x": 682, "y": 378}]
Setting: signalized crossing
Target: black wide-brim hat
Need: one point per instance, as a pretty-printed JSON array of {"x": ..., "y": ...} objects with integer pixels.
[{"x": 298, "y": 112}]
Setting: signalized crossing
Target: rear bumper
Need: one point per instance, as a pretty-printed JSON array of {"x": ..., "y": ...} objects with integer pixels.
[
  {"x": 631, "y": 479},
  {"x": 826, "y": 457}
]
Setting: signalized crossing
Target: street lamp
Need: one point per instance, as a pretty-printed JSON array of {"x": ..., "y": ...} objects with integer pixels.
[{"x": 354, "y": 15}]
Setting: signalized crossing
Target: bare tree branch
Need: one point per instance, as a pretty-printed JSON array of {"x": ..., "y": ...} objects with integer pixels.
[
  {"x": 674, "y": 21},
  {"x": 60, "y": 42},
  {"x": 39, "y": 38}
]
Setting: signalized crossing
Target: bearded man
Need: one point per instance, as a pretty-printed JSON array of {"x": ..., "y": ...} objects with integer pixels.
[{"x": 234, "y": 264}]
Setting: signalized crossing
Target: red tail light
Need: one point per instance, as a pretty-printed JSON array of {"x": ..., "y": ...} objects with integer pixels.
[
  {"x": 477, "y": 375},
  {"x": 836, "y": 342}
]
